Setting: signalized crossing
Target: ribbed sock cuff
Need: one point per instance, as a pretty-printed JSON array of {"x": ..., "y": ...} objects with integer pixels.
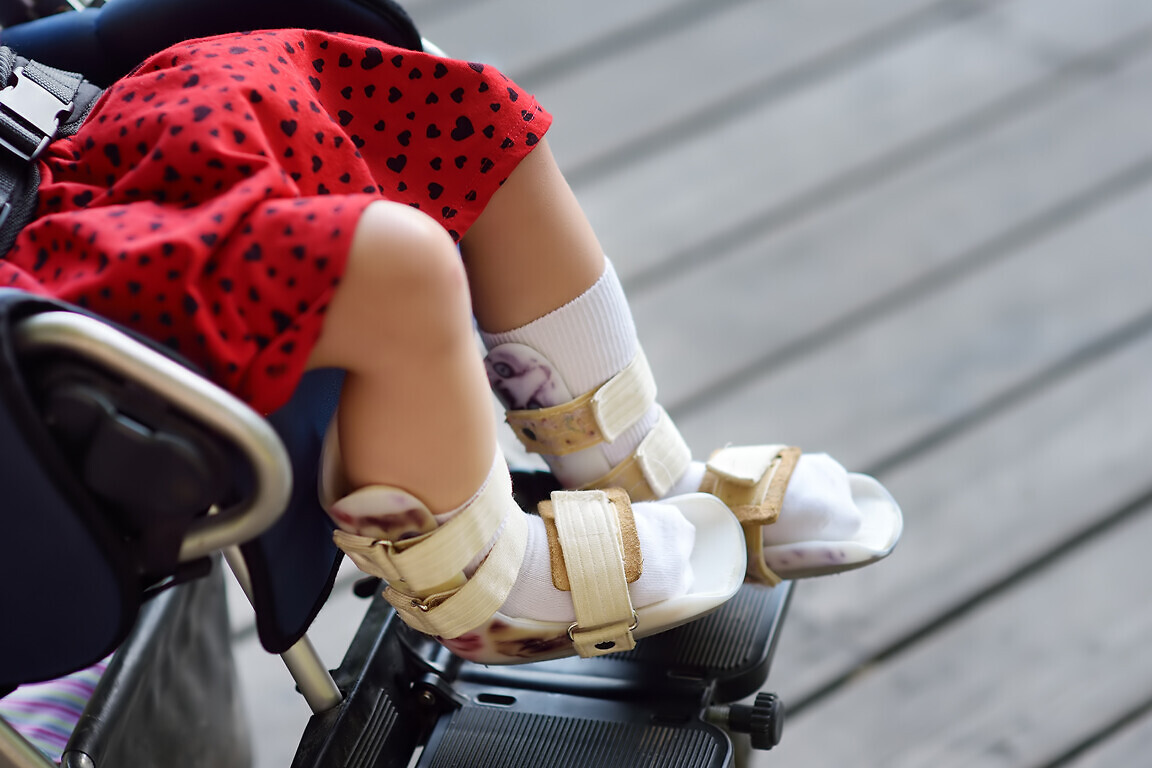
[{"x": 588, "y": 340}]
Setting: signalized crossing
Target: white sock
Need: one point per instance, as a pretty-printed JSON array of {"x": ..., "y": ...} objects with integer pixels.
[
  {"x": 587, "y": 341},
  {"x": 666, "y": 541},
  {"x": 817, "y": 507}
]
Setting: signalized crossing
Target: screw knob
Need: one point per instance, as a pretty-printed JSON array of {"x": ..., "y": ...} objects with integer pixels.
[{"x": 763, "y": 721}]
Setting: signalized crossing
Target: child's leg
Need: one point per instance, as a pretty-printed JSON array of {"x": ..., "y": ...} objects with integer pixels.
[
  {"x": 532, "y": 249},
  {"x": 400, "y": 324},
  {"x": 539, "y": 279},
  {"x": 425, "y": 500}
]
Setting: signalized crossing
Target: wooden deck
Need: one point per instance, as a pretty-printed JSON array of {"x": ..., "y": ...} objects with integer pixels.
[{"x": 914, "y": 234}]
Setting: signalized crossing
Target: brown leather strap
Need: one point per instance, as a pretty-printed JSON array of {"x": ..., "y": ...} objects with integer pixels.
[
  {"x": 752, "y": 481},
  {"x": 594, "y": 417},
  {"x": 633, "y": 562}
]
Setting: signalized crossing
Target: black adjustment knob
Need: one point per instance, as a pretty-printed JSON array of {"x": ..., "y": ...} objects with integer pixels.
[{"x": 763, "y": 721}]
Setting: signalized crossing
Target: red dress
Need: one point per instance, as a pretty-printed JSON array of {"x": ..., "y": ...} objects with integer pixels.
[{"x": 210, "y": 198}]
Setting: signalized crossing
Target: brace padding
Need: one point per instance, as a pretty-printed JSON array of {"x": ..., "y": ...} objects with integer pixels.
[
  {"x": 658, "y": 462},
  {"x": 595, "y": 417}
]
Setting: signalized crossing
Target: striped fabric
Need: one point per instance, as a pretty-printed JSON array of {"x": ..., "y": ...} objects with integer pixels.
[{"x": 45, "y": 713}]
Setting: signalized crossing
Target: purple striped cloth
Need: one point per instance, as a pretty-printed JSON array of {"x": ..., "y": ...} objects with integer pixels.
[{"x": 45, "y": 713}]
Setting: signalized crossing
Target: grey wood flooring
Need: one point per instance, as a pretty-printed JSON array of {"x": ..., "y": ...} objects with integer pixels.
[{"x": 913, "y": 234}]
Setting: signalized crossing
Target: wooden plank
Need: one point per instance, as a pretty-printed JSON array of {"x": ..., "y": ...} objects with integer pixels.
[
  {"x": 1071, "y": 27},
  {"x": 795, "y": 286},
  {"x": 587, "y": 46},
  {"x": 904, "y": 375},
  {"x": 731, "y": 57},
  {"x": 1019, "y": 681},
  {"x": 875, "y": 390},
  {"x": 1128, "y": 746},
  {"x": 520, "y": 37},
  {"x": 709, "y": 184},
  {"x": 793, "y": 152},
  {"x": 978, "y": 507}
]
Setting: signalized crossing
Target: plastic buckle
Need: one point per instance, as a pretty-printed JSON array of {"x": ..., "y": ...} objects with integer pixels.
[{"x": 33, "y": 108}]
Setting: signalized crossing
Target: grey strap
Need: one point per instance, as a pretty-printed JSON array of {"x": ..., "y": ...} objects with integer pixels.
[
  {"x": 35, "y": 104},
  {"x": 37, "y": 100}
]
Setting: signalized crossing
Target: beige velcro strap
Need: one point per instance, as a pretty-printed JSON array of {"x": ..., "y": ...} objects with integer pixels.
[
  {"x": 425, "y": 562},
  {"x": 592, "y": 547},
  {"x": 752, "y": 481},
  {"x": 630, "y": 539},
  {"x": 454, "y": 612},
  {"x": 658, "y": 462},
  {"x": 595, "y": 417}
]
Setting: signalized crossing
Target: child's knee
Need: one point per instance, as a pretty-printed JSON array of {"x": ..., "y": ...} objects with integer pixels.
[
  {"x": 403, "y": 283},
  {"x": 406, "y": 253}
]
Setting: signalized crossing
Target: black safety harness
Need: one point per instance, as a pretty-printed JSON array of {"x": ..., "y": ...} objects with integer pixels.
[{"x": 38, "y": 104}]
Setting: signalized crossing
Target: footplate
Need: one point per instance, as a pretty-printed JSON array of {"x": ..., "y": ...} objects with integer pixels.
[
  {"x": 508, "y": 728},
  {"x": 404, "y": 691}
]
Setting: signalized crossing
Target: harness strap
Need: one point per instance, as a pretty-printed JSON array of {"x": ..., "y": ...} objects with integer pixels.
[
  {"x": 37, "y": 104},
  {"x": 36, "y": 101}
]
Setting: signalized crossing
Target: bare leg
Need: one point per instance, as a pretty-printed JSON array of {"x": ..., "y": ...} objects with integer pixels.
[
  {"x": 532, "y": 249},
  {"x": 415, "y": 411}
]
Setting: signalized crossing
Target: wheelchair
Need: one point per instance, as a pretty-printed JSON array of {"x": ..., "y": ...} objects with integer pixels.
[{"x": 131, "y": 480}]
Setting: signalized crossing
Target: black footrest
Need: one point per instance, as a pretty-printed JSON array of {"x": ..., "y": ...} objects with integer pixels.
[
  {"x": 528, "y": 729},
  {"x": 642, "y": 707}
]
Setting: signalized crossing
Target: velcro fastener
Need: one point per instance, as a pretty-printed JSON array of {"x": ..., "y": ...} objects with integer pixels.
[
  {"x": 595, "y": 417},
  {"x": 658, "y": 462},
  {"x": 454, "y": 612},
  {"x": 630, "y": 539},
  {"x": 752, "y": 481},
  {"x": 592, "y": 547},
  {"x": 624, "y": 399},
  {"x": 426, "y": 562}
]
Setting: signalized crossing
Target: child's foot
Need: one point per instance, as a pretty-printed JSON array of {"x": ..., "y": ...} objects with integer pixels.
[
  {"x": 589, "y": 576},
  {"x": 803, "y": 516}
]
